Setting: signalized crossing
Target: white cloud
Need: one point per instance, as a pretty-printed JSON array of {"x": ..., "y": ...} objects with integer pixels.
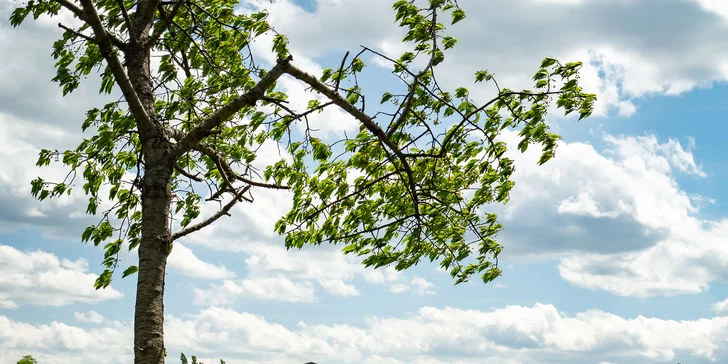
[
  {"x": 269, "y": 206},
  {"x": 721, "y": 308},
  {"x": 41, "y": 278},
  {"x": 717, "y": 6},
  {"x": 275, "y": 273},
  {"x": 91, "y": 317},
  {"x": 268, "y": 289},
  {"x": 339, "y": 288},
  {"x": 616, "y": 218},
  {"x": 537, "y": 334},
  {"x": 184, "y": 261},
  {"x": 61, "y": 343},
  {"x": 418, "y": 285},
  {"x": 513, "y": 334}
]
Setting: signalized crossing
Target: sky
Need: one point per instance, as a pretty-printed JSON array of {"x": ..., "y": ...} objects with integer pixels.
[{"x": 616, "y": 251}]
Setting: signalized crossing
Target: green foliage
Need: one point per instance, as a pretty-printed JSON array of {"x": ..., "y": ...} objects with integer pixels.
[
  {"x": 415, "y": 187},
  {"x": 426, "y": 197},
  {"x": 27, "y": 359}
]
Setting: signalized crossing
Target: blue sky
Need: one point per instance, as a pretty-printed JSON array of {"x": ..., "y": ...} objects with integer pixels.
[{"x": 615, "y": 251}]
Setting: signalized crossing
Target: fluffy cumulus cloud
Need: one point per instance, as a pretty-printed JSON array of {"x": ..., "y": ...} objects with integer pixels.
[
  {"x": 271, "y": 288},
  {"x": 58, "y": 342},
  {"x": 20, "y": 142},
  {"x": 90, "y": 317},
  {"x": 41, "y": 278},
  {"x": 537, "y": 334},
  {"x": 185, "y": 262},
  {"x": 629, "y": 187},
  {"x": 721, "y": 308},
  {"x": 618, "y": 215},
  {"x": 513, "y": 334}
]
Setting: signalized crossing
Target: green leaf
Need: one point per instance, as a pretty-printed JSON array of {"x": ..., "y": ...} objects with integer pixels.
[
  {"x": 481, "y": 76},
  {"x": 129, "y": 271},
  {"x": 548, "y": 62},
  {"x": 457, "y": 15}
]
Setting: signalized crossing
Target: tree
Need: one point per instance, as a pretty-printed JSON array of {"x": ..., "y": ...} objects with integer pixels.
[
  {"x": 27, "y": 359},
  {"x": 426, "y": 162}
]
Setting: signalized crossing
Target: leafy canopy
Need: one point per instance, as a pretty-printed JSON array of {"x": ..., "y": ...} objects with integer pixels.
[{"x": 414, "y": 183}]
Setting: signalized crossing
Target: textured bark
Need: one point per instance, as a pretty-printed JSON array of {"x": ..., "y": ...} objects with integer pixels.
[{"x": 156, "y": 235}]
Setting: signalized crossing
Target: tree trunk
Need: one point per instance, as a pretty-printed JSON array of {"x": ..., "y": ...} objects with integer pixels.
[
  {"x": 156, "y": 237},
  {"x": 153, "y": 251}
]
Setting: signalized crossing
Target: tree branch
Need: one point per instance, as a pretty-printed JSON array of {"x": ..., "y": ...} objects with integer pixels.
[
  {"x": 187, "y": 174},
  {"x": 127, "y": 20},
  {"x": 416, "y": 78},
  {"x": 73, "y": 8},
  {"x": 225, "y": 169},
  {"x": 77, "y": 33},
  {"x": 209, "y": 152},
  {"x": 247, "y": 99},
  {"x": 364, "y": 119},
  {"x": 107, "y": 51},
  {"x": 166, "y": 22},
  {"x": 341, "y": 71},
  {"x": 82, "y": 15},
  {"x": 294, "y": 114},
  {"x": 222, "y": 212},
  {"x": 145, "y": 11}
]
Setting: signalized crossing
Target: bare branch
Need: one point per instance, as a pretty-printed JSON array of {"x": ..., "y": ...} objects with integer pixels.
[
  {"x": 222, "y": 212},
  {"x": 404, "y": 111},
  {"x": 341, "y": 71},
  {"x": 188, "y": 174},
  {"x": 77, "y": 33},
  {"x": 247, "y": 99}
]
